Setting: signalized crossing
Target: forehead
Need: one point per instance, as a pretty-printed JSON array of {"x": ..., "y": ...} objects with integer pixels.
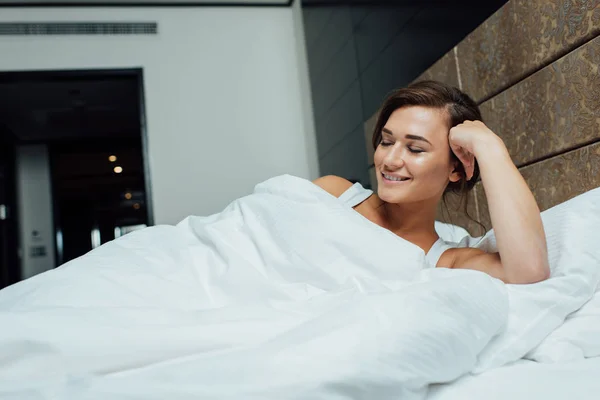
[{"x": 431, "y": 123}]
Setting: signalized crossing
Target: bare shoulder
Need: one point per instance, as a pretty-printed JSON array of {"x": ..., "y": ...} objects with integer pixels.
[
  {"x": 334, "y": 185},
  {"x": 475, "y": 259}
]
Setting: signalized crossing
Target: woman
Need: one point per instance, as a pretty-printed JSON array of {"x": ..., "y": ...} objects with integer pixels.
[{"x": 429, "y": 139}]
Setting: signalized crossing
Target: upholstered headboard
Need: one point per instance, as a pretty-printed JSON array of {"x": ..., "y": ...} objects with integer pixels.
[{"x": 533, "y": 69}]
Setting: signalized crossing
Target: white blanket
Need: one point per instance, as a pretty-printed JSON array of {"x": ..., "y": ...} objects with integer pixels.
[
  {"x": 286, "y": 294},
  {"x": 527, "y": 380}
]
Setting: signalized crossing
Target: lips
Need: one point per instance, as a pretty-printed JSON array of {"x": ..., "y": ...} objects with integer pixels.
[{"x": 394, "y": 178}]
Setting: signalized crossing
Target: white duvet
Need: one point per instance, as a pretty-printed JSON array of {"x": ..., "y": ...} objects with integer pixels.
[{"x": 286, "y": 294}]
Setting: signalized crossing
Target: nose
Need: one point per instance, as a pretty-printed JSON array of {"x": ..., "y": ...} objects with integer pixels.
[{"x": 394, "y": 159}]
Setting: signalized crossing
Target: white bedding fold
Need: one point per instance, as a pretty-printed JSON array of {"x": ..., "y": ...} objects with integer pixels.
[{"x": 286, "y": 294}]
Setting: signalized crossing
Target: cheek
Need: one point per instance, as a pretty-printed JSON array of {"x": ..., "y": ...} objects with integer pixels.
[
  {"x": 430, "y": 168},
  {"x": 378, "y": 155}
]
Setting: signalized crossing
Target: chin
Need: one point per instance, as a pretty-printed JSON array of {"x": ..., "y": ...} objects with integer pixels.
[{"x": 393, "y": 196}]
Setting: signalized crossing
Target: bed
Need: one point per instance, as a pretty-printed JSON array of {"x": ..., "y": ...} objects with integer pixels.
[
  {"x": 526, "y": 380},
  {"x": 288, "y": 293}
]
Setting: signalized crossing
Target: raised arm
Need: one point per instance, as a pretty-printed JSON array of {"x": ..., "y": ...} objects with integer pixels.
[{"x": 515, "y": 216}]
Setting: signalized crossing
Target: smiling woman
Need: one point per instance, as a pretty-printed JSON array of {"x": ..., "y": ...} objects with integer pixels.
[
  {"x": 407, "y": 156},
  {"x": 430, "y": 140}
]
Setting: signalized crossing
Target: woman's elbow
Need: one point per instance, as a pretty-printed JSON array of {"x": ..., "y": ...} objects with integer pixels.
[
  {"x": 533, "y": 272},
  {"x": 541, "y": 266},
  {"x": 540, "y": 273}
]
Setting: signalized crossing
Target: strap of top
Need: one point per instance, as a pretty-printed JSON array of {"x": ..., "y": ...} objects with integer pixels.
[
  {"x": 436, "y": 251},
  {"x": 355, "y": 195}
]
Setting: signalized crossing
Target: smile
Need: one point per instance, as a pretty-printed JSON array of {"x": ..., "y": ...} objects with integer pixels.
[{"x": 393, "y": 178}]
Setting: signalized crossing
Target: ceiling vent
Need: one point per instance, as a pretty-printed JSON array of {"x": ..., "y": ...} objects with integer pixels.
[{"x": 77, "y": 28}]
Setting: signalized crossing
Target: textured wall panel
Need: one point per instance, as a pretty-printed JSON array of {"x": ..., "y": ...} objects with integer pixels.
[
  {"x": 520, "y": 38},
  {"x": 453, "y": 212},
  {"x": 557, "y": 179},
  {"x": 552, "y": 111}
]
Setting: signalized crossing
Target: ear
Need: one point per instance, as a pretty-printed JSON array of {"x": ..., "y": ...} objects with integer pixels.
[{"x": 456, "y": 173}]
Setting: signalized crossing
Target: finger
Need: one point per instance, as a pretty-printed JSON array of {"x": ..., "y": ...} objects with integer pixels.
[
  {"x": 470, "y": 170},
  {"x": 462, "y": 155},
  {"x": 467, "y": 159}
]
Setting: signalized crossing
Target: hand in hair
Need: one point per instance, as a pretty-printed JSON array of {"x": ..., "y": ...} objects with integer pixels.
[{"x": 467, "y": 139}]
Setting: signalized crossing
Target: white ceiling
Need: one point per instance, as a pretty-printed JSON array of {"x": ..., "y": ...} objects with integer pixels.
[{"x": 148, "y": 2}]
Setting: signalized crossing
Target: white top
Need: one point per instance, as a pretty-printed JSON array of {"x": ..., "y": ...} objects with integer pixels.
[{"x": 356, "y": 194}]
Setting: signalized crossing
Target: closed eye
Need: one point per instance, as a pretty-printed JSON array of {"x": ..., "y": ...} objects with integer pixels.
[
  {"x": 385, "y": 144},
  {"x": 415, "y": 150}
]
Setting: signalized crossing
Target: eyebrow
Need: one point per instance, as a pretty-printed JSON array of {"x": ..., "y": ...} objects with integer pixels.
[{"x": 412, "y": 137}]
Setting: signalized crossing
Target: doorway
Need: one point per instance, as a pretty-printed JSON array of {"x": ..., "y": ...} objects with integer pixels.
[
  {"x": 77, "y": 164},
  {"x": 9, "y": 259}
]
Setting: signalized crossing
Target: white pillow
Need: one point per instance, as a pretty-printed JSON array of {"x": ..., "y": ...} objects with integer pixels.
[
  {"x": 538, "y": 309},
  {"x": 450, "y": 232},
  {"x": 576, "y": 339}
]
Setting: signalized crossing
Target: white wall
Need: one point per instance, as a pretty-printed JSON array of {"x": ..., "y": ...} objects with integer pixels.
[
  {"x": 306, "y": 91},
  {"x": 34, "y": 199},
  {"x": 225, "y": 104}
]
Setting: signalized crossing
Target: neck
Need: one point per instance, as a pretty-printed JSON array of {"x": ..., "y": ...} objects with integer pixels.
[{"x": 413, "y": 221}]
